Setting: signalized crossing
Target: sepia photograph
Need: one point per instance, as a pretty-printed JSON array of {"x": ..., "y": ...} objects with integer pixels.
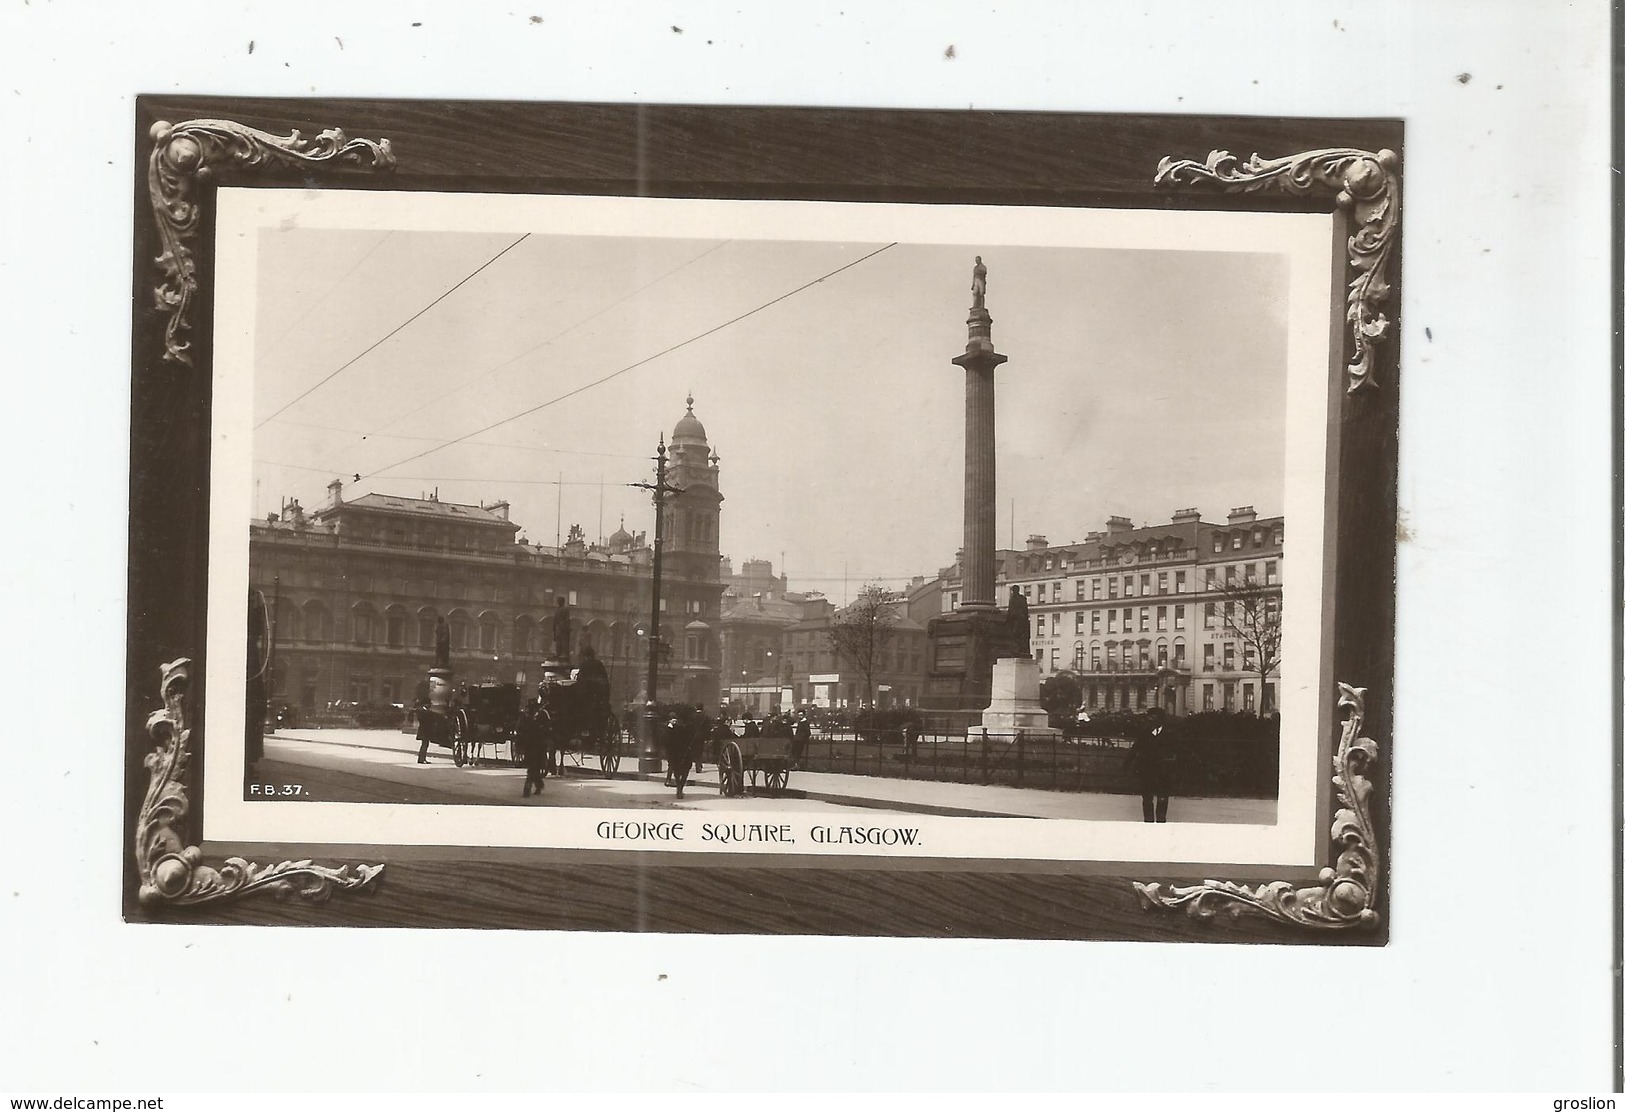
[
  {"x": 791, "y": 527},
  {"x": 763, "y": 520},
  {"x": 851, "y": 549}
]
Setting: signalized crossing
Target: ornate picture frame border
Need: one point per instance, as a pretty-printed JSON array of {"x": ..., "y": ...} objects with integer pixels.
[{"x": 992, "y": 158}]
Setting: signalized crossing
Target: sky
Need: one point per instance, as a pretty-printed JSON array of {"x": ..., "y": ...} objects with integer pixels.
[{"x": 1138, "y": 382}]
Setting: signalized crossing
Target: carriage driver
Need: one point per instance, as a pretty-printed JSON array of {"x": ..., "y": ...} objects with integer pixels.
[
  {"x": 592, "y": 673},
  {"x": 593, "y": 679}
]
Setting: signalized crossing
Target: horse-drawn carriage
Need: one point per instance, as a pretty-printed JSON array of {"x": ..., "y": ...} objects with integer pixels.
[
  {"x": 568, "y": 718},
  {"x": 475, "y": 718},
  {"x": 575, "y": 722},
  {"x": 739, "y": 758}
]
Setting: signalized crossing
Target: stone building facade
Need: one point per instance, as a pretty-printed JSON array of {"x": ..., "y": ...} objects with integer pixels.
[
  {"x": 1186, "y": 612},
  {"x": 819, "y": 677},
  {"x": 359, "y": 584},
  {"x": 755, "y": 670}
]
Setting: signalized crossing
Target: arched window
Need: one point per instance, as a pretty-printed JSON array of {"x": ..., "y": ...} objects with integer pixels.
[
  {"x": 524, "y": 629},
  {"x": 315, "y": 621},
  {"x": 426, "y": 623},
  {"x": 488, "y": 632},
  {"x": 362, "y": 619},
  {"x": 595, "y": 635},
  {"x": 395, "y": 627},
  {"x": 459, "y": 629}
]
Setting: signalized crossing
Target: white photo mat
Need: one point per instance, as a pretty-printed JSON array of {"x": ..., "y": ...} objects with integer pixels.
[{"x": 1307, "y": 241}]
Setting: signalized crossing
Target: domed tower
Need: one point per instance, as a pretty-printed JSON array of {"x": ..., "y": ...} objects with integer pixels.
[
  {"x": 693, "y": 562},
  {"x": 692, "y": 547}
]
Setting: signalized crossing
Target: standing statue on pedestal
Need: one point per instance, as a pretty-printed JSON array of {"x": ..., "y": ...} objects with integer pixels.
[
  {"x": 561, "y": 630},
  {"x": 442, "y": 644},
  {"x": 978, "y": 285},
  {"x": 1017, "y": 629}
]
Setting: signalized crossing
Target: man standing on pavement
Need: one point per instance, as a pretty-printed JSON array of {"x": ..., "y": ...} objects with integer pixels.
[
  {"x": 1152, "y": 760},
  {"x": 430, "y": 723},
  {"x": 533, "y": 740},
  {"x": 800, "y": 739},
  {"x": 680, "y": 746}
]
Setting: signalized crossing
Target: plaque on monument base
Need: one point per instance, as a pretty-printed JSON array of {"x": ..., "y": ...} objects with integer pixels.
[
  {"x": 963, "y": 645},
  {"x": 1014, "y": 707}
]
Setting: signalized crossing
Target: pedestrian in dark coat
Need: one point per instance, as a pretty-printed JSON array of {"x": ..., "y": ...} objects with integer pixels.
[
  {"x": 1152, "y": 760},
  {"x": 680, "y": 746},
  {"x": 431, "y": 724},
  {"x": 533, "y": 741},
  {"x": 800, "y": 738}
]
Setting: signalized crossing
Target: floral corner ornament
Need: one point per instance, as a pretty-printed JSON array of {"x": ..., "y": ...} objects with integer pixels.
[
  {"x": 1348, "y": 888},
  {"x": 1364, "y": 184},
  {"x": 190, "y": 154},
  {"x": 172, "y": 873}
]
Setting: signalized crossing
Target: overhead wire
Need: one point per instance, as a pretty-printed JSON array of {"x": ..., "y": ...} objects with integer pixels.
[
  {"x": 322, "y": 300},
  {"x": 437, "y": 478},
  {"x": 391, "y": 333},
  {"x": 477, "y": 443},
  {"x": 556, "y": 336},
  {"x": 632, "y": 366}
]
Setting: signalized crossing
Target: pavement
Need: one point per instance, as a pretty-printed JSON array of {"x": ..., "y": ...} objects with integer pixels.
[{"x": 380, "y": 765}]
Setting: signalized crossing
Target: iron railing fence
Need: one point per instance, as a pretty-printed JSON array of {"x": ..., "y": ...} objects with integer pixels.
[{"x": 1043, "y": 759}]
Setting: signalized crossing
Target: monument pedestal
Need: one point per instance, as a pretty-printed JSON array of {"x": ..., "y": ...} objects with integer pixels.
[
  {"x": 963, "y": 646},
  {"x": 440, "y": 690},
  {"x": 1014, "y": 707}
]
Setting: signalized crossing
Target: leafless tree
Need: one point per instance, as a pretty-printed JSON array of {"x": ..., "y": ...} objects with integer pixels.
[
  {"x": 860, "y": 632},
  {"x": 1252, "y": 615}
]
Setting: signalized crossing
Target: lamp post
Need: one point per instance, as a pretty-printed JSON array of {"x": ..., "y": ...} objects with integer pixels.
[
  {"x": 273, "y": 666},
  {"x": 775, "y": 666},
  {"x": 659, "y": 490}
]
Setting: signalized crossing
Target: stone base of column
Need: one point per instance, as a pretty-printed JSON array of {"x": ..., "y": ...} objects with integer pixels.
[
  {"x": 1014, "y": 707},
  {"x": 963, "y": 647}
]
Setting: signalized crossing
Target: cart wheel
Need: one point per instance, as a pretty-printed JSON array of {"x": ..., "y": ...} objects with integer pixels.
[
  {"x": 459, "y": 738},
  {"x": 776, "y": 779},
  {"x": 731, "y": 770},
  {"x": 610, "y": 756}
]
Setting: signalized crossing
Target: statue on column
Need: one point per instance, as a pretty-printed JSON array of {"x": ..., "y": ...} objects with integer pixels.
[
  {"x": 978, "y": 285},
  {"x": 1017, "y": 629},
  {"x": 561, "y": 630},
  {"x": 442, "y": 643}
]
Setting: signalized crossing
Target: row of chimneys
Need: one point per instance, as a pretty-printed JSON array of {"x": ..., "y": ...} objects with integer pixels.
[
  {"x": 335, "y": 497},
  {"x": 1240, "y": 515}
]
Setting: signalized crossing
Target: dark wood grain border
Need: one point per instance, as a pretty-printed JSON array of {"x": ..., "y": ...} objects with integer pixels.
[{"x": 722, "y": 152}]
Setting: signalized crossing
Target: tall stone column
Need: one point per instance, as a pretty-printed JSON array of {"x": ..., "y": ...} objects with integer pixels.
[
  {"x": 966, "y": 641},
  {"x": 981, "y": 475}
]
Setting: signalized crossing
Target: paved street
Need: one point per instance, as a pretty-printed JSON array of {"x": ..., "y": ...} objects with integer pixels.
[{"x": 379, "y": 766}]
